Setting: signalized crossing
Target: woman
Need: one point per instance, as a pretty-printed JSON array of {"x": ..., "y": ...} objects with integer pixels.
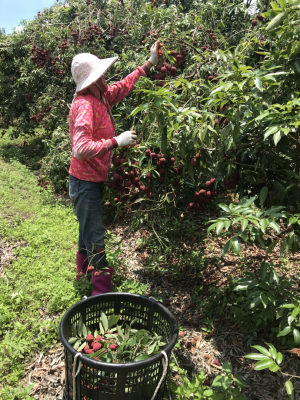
[{"x": 92, "y": 134}]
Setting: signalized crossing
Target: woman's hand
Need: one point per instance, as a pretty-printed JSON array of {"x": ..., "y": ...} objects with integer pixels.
[
  {"x": 126, "y": 138},
  {"x": 153, "y": 54}
]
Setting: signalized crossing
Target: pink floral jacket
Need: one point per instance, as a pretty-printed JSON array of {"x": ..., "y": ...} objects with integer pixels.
[{"x": 92, "y": 130}]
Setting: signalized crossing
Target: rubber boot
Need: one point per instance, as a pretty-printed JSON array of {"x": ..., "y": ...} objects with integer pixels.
[
  {"x": 101, "y": 281},
  {"x": 82, "y": 264}
]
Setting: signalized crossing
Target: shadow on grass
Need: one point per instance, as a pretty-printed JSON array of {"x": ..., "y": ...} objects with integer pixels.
[{"x": 28, "y": 150}]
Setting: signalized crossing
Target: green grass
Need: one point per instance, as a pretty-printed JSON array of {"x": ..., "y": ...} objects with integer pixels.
[
  {"x": 41, "y": 279},
  {"x": 42, "y": 275}
]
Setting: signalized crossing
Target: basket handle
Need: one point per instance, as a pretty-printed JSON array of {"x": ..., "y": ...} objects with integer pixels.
[
  {"x": 75, "y": 373},
  {"x": 165, "y": 363}
]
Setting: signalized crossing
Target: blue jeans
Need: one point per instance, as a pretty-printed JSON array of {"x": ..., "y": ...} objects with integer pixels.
[{"x": 87, "y": 200}]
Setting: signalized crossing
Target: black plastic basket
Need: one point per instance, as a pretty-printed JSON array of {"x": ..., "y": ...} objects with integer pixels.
[{"x": 106, "y": 381}]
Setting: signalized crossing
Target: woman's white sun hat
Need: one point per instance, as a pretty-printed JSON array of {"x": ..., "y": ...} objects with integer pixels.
[{"x": 87, "y": 68}]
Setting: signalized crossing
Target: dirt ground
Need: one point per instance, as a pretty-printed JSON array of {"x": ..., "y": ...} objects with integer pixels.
[{"x": 227, "y": 341}]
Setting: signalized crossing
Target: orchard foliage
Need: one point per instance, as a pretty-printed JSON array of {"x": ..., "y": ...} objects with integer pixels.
[{"x": 218, "y": 114}]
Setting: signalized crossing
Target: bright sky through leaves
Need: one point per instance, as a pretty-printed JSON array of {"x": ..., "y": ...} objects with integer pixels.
[{"x": 14, "y": 11}]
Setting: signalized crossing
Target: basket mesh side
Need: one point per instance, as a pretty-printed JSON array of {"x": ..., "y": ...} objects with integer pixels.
[
  {"x": 130, "y": 311},
  {"x": 161, "y": 326},
  {"x": 93, "y": 312},
  {"x": 139, "y": 381}
]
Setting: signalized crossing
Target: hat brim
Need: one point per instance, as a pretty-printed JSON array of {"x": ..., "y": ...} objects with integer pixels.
[{"x": 100, "y": 70}]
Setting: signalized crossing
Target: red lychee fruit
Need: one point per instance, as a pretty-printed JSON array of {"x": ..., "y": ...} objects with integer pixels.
[
  {"x": 216, "y": 362},
  {"x": 112, "y": 347},
  {"x": 153, "y": 155},
  {"x": 148, "y": 152},
  {"x": 96, "y": 346},
  {"x": 172, "y": 160},
  {"x": 122, "y": 161},
  {"x": 128, "y": 184},
  {"x": 131, "y": 174},
  {"x": 107, "y": 204},
  {"x": 148, "y": 176},
  {"x": 90, "y": 338},
  {"x": 158, "y": 68},
  {"x": 116, "y": 199},
  {"x": 161, "y": 171},
  {"x": 163, "y": 70},
  {"x": 116, "y": 177},
  {"x": 254, "y": 22},
  {"x": 260, "y": 17},
  {"x": 89, "y": 351},
  {"x": 188, "y": 345},
  {"x": 173, "y": 71},
  {"x": 206, "y": 382},
  {"x": 207, "y": 184},
  {"x": 98, "y": 338},
  {"x": 194, "y": 162}
]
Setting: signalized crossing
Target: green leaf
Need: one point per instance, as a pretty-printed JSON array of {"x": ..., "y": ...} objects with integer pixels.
[
  {"x": 236, "y": 133},
  {"x": 256, "y": 356},
  {"x": 72, "y": 340},
  {"x": 224, "y": 207},
  {"x": 263, "y": 364},
  {"x": 104, "y": 321},
  {"x": 84, "y": 331},
  {"x": 227, "y": 367},
  {"x": 276, "y": 21},
  {"x": 244, "y": 224},
  {"x": 263, "y": 224},
  {"x": 80, "y": 326},
  {"x": 263, "y": 195},
  {"x": 142, "y": 357},
  {"x": 274, "y": 368},
  {"x": 296, "y": 334},
  {"x": 236, "y": 244},
  {"x": 285, "y": 331},
  {"x": 263, "y": 350},
  {"x": 271, "y": 131},
  {"x": 222, "y": 382},
  {"x": 220, "y": 226},
  {"x": 289, "y": 389},
  {"x": 258, "y": 84},
  {"x": 272, "y": 246},
  {"x": 295, "y": 312},
  {"x": 279, "y": 358},
  {"x": 77, "y": 344},
  {"x": 274, "y": 226},
  {"x": 82, "y": 346},
  {"x": 255, "y": 302},
  {"x": 263, "y": 270},
  {"x": 245, "y": 202},
  {"x": 226, "y": 248},
  {"x": 239, "y": 381},
  {"x": 277, "y": 136}
]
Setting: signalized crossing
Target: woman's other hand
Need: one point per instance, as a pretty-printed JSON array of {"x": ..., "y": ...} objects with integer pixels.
[
  {"x": 126, "y": 138},
  {"x": 153, "y": 54}
]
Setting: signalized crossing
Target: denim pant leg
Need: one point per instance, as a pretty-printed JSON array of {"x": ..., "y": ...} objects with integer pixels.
[
  {"x": 87, "y": 197},
  {"x": 81, "y": 245}
]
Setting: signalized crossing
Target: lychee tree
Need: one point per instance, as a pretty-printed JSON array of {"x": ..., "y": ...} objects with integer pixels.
[{"x": 202, "y": 116}]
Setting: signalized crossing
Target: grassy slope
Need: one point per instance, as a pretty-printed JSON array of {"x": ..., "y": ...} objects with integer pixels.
[{"x": 42, "y": 275}]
